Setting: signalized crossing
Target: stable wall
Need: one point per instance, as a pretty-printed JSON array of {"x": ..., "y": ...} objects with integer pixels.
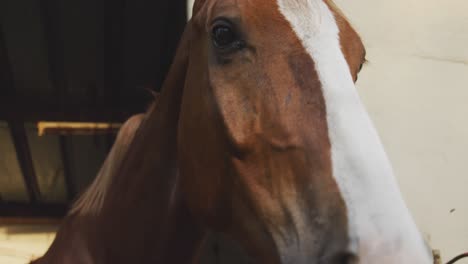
[{"x": 415, "y": 87}]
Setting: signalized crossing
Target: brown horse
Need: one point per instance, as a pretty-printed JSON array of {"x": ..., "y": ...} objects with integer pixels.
[{"x": 259, "y": 135}]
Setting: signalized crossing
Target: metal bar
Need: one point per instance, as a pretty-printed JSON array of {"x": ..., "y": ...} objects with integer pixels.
[
  {"x": 77, "y": 128},
  {"x": 23, "y": 153},
  {"x": 69, "y": 183}
]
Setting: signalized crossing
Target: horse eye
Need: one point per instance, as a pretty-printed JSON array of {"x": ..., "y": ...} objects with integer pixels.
[{"x": 223, "y": 36}]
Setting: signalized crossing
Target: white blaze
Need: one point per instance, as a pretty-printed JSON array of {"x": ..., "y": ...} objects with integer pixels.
[{"x": 381, "y": 228}]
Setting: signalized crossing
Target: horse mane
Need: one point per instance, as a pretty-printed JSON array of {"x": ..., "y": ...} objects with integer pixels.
[{"x": 91, "y": 201}]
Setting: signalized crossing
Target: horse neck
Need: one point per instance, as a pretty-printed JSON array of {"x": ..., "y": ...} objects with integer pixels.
[
  {"x": 129, "y": 189},
  {"x": 133, "y": 206},
  {"x": 72, "y": 243},
  {"x": 74, "y": 239}
]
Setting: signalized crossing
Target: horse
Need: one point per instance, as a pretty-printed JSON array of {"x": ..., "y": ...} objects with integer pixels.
[{"x": 259, "y": 134}]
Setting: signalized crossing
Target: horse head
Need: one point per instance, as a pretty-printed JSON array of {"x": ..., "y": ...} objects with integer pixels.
[{"x": 275, "y": 148}]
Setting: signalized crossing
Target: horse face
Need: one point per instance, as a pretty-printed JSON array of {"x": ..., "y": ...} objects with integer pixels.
[{"x": 262, "y": 133}]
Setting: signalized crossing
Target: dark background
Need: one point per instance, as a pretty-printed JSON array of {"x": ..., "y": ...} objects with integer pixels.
[{"x": 73, "y": 60}]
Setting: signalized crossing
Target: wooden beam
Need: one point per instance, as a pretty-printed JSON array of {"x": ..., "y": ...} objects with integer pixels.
[
  {"x": 23, "y": 153},
  {"x": 77, "y": 128},
  {"x": 69, "y": 182}
]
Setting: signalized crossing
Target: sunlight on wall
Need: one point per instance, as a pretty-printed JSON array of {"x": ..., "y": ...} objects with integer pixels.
[
  {"x": 189, "y": 8},
  {"x": 20, "y": 244},
  {"x": 415, "y": 87}
]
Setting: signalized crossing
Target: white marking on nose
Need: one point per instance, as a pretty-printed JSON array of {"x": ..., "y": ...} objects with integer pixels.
[{"x": 381, "y": 228}]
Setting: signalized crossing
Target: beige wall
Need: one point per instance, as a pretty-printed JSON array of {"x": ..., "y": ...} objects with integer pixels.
[
  {"x": 22, "y": 243},
  {"x": 415, "y": 87},
  {"x": 416, "y": 91}
]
